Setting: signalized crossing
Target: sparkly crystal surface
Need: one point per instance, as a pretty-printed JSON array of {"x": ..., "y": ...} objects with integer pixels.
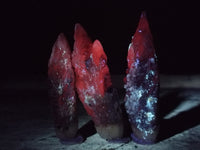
[
  {"x": 93, "y": 82},
  {"x": 142, "y": 84},
  {"x": 62, "y": 79}
]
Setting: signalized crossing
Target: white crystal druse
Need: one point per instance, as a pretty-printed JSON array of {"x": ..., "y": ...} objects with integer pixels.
[{"x": 142, "y": 95}]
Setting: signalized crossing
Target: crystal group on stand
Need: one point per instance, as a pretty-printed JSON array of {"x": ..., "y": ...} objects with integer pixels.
[
  {"x": 62, "y": 90},
  {"x": 94, "y": 87},
  {"x": 142, "y": 85}
]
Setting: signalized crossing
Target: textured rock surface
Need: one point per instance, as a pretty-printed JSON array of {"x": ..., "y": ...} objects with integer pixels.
[
  {"x": 142, "y": 85},
  {"x": 62, "y": 93},
  {"x": 93, "y": 81},
  {"x": 26, "y": 123}
]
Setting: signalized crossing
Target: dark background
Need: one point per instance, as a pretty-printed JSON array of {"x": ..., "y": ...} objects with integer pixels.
[{"x": 29, "y": 29}]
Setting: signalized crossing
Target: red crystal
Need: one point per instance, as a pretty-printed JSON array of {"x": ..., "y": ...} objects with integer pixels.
[
  {"x": 141, "y": 45},
  {"x": 62, "y": 93},
  {"x": 89, "y": 61},
  {"x": 142, "y": 84},
  {"x": 93, "y": 81}
]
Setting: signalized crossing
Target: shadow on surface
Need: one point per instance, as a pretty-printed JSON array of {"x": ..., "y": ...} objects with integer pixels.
[
  {"x": 87, "y": 130},
  {"x": 177, "y": 123},
  {"x": 180, "y": 122}
]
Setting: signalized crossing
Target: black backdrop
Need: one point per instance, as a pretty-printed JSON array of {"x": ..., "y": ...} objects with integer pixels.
[{"x": 29, "y": 29}]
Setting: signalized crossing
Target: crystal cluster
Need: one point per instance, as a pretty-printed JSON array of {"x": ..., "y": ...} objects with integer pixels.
[
  {"x": 94, "y": 85},
  {"x": 62, "y": 90},
  {"x": 86, "y": 71},
  {"x": 142, "y": 85}
]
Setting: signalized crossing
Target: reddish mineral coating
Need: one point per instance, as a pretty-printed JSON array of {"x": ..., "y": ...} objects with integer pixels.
[
  {"x": 93, "y": 79},
  {"x": 61, "y": 76},
  {"x": 141, "y": 41},
  {"x": 142, "y": 84}
]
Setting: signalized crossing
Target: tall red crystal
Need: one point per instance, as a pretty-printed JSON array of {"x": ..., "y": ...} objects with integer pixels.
[
  {"x": 142, "y": 85},
  {"x": 93, "y": 84},
  {"x": 62, "y": 92}
]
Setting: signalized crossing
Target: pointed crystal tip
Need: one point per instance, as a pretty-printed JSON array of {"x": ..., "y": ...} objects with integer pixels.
[
  {"x": 77, "y": 25},
  {"x": 61, "y": 35},
  {"x": 79, "y": 29},
  {"x": 143, "y": 14}
]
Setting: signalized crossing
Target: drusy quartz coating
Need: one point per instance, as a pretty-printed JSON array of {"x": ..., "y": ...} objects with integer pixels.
[{"x": 142, "y": 85}]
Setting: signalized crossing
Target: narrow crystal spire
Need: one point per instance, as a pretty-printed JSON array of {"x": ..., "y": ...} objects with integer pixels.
[
  {"x": 62, "y": 92},
  {"x": 142, "y": 85}
]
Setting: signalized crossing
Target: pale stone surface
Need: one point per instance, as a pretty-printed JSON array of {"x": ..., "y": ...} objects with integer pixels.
[{"x": 26, "y": 123}]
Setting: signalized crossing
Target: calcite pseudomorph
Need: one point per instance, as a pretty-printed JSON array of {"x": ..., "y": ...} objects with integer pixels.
[
  {"x": 94, "y": 87},
  {"x": 142, "y": 85},
  {"x": 62, "y": 89}
]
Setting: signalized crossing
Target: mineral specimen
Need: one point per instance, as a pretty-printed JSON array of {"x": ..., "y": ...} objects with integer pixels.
[
  {"x": 93, "y": 84},
  {"x": 142, "y": 85},
  {"x": 62, "y": 92}
]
